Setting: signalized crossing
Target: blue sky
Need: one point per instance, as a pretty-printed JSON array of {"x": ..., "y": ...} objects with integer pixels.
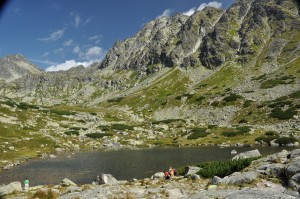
[{"x": 59, "y": 34}]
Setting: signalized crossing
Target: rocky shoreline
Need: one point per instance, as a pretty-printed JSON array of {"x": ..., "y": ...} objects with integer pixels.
[{"x": 273, "y": 176}]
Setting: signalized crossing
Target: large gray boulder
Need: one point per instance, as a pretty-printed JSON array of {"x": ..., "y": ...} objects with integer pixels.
[
  {"x": 190, "y": 170},
  {"x": 247, "y": 154},
  {"x": 10, "y": 188},
  {"x": 236, "y": 178},
  {"x": 158, "y": 175},
  {"x": 295, "y": 182},
  {"x": 108, "y": 179},
  {"x": 66, "y": 182},
  {"x": 295, "y": 153},
  {"x": 274, "y": 170},
  {"x": 293, "y": 168}
]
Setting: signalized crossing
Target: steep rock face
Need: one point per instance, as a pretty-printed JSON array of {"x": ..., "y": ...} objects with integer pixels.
[
  {"x": 190, "y": 36},
  {"x": 15, "y": 66},
  {"x": 248, "y": 27},
  {"x": 150, "y": 46}
]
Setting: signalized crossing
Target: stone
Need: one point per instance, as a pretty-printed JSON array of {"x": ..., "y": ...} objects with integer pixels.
[
  {"x": 274, "y": 170},
  {"x": 233, "y": 152},
  {"x": 158, "y": 175},
  {"x": 294, "y": 182},
  {"x": 242, "y": 178},
  {"x": 293, "y": 167},
  {"x": 295, "y": 153},
  {"x": 10, "y": 188},
  {"x": 11, "y": 148},
  {"x": 8, "y": 166},
  {"x": 236, "y": 178},
  {"x": 212, "y": 186},
  {"x": 195, "y": 177},
  {"x": 66, "y": 182},
  {"x": 217, "y": 180},
  {"x": 281, "y": 157},
  {"x": 174, "y": 193},
  {"x": 190, "y": 170},
  {"x": 108, "y": 179},
  {"x": 52, "y": 156},
  {"x": 247, "y": 154}
]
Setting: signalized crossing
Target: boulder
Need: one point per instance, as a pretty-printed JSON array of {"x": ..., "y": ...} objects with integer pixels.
[
  {"x": 247, "y": 154},
  {"x": 241, "y": 178},
  {"x": 294, "y": 182},
  {"x": 274, "y": 170},
  {"x": 295, "y": 153},
  {"x": 281, "y": 157},
  {"x": 158, "y": 175},
  {"x": 66, "y": 182},
  {"x": 233, "y": 152},
  {"x": 10, "y": 188},
  {"x": 236, "y": 178},
  {"x": 190, "y": 170},
  {"x": 195, "y": 177},
  {"x": 108, "y": 179},
  {"x": 293, "y": 167},
  {"x": 174, "y": 193}
]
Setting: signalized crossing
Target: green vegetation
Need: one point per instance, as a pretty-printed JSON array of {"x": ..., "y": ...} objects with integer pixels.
[
  {"x": 232, "y": 97},
  {"x": 197, "y": 133},
  {"x": 59, "y": 112},
  {"x": 275, "y": 82},
  {"x": 117, "y": 99},
  {"x": 283, "y": 114},
  {"x": 285, "y": 140},
  {"x": 223, "y": 168},
  {"x": 236, "y": 132},
  {"x": 97, "y": 135},
  {"x": 168, "y": 121},
  {"x": 72, "y": 133},
  {"x": 121, "y": 127}
]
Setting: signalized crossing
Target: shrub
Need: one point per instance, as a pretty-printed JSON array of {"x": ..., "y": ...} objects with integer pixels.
[
  {"x": 97, "y": 135},
  {"x": 167, "y": 121},
  {"x": 247, "y": 103},
  {"x": 197, "y": 133},
  {"x": 295, "y": 95},
  {"x": 121, "y": 127},
  {"x": 285, "y": 140},
  {"x": 72, "y": 133},
  {"x": 223, "y": 168},
  {"x": 59, "y": 112},
  {"x": 271, "y": 83},
  {"x": 199, "y": 99},
  {"x": 104, "y": 127},
  {"x": 271, "y": 133},
  {"x": 266, "y": 139},
  {"x": 232, "y": 98},
  {"x": 25, "y": 106},
  {"x": 283, "y": 115},
  {"x": 263, "y": 76},
  {"x": 117, "y": 99},
  {"x": 280, "y": 104},
  {"x": 243, "y": 129},
  {"x": 231, "y": 133}
]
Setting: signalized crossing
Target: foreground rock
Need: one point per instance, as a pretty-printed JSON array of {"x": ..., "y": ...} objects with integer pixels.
[
  {"x": 247, "y": 154},
  {"x": 10, "y": 188}
]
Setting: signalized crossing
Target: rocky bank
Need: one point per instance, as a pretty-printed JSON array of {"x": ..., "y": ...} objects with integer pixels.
[{"x": 273, "y": 176}]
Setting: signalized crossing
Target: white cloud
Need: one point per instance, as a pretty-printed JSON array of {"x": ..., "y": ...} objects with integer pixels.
[
  {"x": 46, "y": 54},
  {"x": 59, "y": 51},
  {"x": 77, "y": 19},
  {"x": 69, "y": 64},
  {"x": 214, "y": 4},
  {"x": 95, "y": 38},
  {"x": 189, "y": 12},
  {"x": 166, "y": 13},
  {"x": 94, "y": 52},
  {"x": 53, "y": 36},
  {"x": 68, "y": 42}
]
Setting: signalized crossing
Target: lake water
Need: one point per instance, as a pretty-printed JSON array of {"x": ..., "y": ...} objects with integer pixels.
[{"x": 83, "y": 167}]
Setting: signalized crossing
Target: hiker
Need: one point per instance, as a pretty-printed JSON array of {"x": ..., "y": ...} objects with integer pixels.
[
  {"x": 172, "y": 172},
  {"x": 167, "y": 175},
  {"x": 26, "y": 184}
]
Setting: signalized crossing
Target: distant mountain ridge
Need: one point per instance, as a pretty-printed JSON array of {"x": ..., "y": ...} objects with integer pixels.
[
  {"x": 13, "y": 67},
  {"x": 249, "y": 33}
]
